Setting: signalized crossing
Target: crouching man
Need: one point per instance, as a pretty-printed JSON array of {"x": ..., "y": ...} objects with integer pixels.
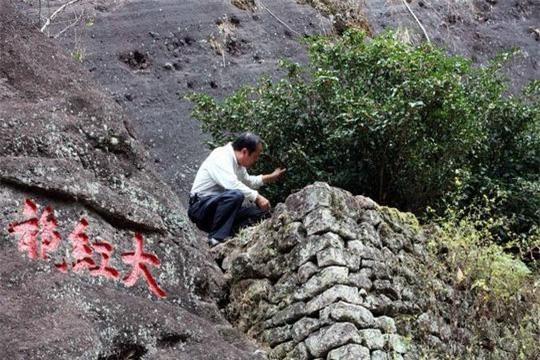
[{"x": 222, "y": 184}]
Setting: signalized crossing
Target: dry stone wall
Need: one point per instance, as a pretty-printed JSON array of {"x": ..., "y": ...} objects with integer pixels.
[{"x": 328, "y": 277}]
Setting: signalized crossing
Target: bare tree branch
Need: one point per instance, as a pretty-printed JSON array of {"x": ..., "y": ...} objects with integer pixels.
[
  {"x": 418, "y": 21},
  {"x": 77, "y": 19},
  {"x": 60, "y": 9},
  {"x": 278, "y": 19}
]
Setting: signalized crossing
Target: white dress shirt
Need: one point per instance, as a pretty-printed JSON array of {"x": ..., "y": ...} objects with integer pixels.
[{"x": 221, "y": 171}]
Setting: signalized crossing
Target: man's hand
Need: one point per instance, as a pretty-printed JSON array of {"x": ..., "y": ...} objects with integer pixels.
[
  {"x": 274, "y": 176},
  {"x": 262, "y": 203}
]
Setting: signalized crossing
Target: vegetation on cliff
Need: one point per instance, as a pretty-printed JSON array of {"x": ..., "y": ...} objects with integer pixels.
[
  {"x": 412, "y": 127},
  {"x": 408, "y": 126}
]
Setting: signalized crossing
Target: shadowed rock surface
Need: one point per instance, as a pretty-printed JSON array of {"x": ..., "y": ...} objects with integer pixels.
[{"x": 66, "y": 147}]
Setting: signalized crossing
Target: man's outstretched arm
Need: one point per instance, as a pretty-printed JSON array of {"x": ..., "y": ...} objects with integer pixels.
[{"x": 274, "y": 176}]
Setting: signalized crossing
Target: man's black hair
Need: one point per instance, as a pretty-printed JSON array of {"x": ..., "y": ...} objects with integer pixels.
[{"x": 247, "y": 140}]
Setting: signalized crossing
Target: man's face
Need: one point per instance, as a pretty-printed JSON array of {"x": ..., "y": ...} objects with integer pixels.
[{"x": 247, "y": 160}]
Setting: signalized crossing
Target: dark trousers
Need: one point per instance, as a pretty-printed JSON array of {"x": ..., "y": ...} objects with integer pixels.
[{"x": 223, "y": 215}]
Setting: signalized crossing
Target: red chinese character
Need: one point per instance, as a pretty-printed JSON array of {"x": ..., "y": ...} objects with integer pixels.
[
  {"x": 50, "y": 238},
  {"x": 82, "y": 252},
  {"x": 138, "y": 260},
  {"x": 31, "y": 228},
  {"x": 27, "y": 230},
  {"x": 105, "y": 250}
]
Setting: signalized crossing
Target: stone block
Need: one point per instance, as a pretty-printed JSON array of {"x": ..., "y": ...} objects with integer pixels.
[
  {"x": 299, "y": 352},
  {"x": 345, "y": 312},
  {"x": 373, "y": 339},
  {"x": 293, "y": 234},
  {"x": 349, "y": 352},
  {"x": 339, "y": 292},
  {"x": 277, "y": 335},
  {"x": 332, "y": 337},
  {"x": 360, "y": 281},
  {"x": 331, "y": 256},
  {"x": 326, "y": 278},
  {"x": 379, "y": 355},
  {"x": 308, "y": 249},
  {"x": 396, "y": 343},
  {"x": 306, "y": 271},
  {"x": 289, "y": 314},
  {"x": 303, "y": 327},
  {"x": 281, "y": 351},
  {"x": 385, "y": 324}
]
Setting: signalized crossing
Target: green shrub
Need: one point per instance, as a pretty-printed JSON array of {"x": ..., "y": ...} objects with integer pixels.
[
  {"x": 499, "y": 297},
  {"x": 394, "y": 122}
]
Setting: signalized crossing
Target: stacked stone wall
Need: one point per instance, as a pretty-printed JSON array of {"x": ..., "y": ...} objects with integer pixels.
[{"x": 328, "y": 277}]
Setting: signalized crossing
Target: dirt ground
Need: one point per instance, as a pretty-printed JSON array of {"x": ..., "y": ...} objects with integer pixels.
[{"x": 149, "y": 54}]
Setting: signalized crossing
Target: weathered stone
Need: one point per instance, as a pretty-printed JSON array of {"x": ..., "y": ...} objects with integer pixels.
[
  {"x": 379, "y": 355},
  {"x": 276, "y": 267},
  {"x": 308, "y": 199},
  {"x": 373, "y": 339},
  {"x": 315, "y": 243},
  {"x": 294, "y": 233},
  {"x": 385, "y": 324},
  {"x": 367, "y": 272},
  {"x": 360, "y": 281},
  {"x": 306, "y": 271},
  {"x": 281, "y": 217},
  {"x": 255, "y": 292},
  {"x": 388, "y": 288},
  {"x": 289, "y": 314},
  {"x": 396, "y": 343},
  {"x": 369, "y": 235},
  {"x": 344, "y": 312},
  {"x": 339, "y": 292},
  {"x": 320, "y": 221},
  {"x": 286, "y": 286},
  {"x": 371, "y": 217},
  {"x": 394, "y": 241},
  {"x": 299, "y": 352},
  {"x": 368, "y": 264},
  {"x": 408, "y": 294},
  {"x": 303, "y": 327},
  {"x": 379, "y": 304},
  {"x": 331, "y": 256},
  {"x": 365, "y": 203},
  {"x": 326, "y": 278},
  {"x": 277, "y": 335},
  {"x": 380, "y": 270},
  {"x": 349, "y": 352},
  {"x": 280, "y": 352},
  {"x": 323, "y": 219},
  {"x": 332, "y": 337}
]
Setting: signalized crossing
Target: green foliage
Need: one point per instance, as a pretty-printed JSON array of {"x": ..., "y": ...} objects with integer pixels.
[
  {"x": 499, "y": 297},
  {"x": 394, "y": 122}
]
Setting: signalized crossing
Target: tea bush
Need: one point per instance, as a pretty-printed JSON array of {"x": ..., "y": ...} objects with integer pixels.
[{"x": 407, "y": 125}]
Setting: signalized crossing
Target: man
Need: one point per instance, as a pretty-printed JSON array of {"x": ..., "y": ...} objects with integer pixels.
[{"x": 221, "y": 186}]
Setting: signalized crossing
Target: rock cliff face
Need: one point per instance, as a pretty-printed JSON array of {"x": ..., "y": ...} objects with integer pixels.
[
  {"x": 150, "y": 54},
  {"x": 333, "y": 276},
  {"x": 97, "y": 258}
]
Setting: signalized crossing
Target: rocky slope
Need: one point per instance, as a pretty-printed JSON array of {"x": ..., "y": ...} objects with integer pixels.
[
  {"x": 98, "y": 260},
  {"x": 150, "y": 54},
  {"x": 79, "y": 193}
]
